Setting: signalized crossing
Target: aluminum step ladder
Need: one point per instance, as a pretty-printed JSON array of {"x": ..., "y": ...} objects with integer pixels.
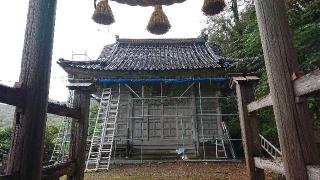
[
  {"x": 107, "y": 140},
  {"x": 226, "y": 135},
  {"x": 61, "y": 151},
  {"x": 62, "y": 141},
  {"x": 220, "y": 148},
  {"x": 103, "y": 135}
]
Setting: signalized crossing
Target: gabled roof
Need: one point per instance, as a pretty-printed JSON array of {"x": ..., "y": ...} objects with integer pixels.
[{"x": 155, "y": 55}]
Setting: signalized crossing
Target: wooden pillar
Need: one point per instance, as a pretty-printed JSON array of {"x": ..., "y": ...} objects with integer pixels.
[
  {"x": 79, "y": 129},
  {"x": 26, "y": 152},
  {"x": 281, "y": 62},
  {"x": 249, "y": 130}
]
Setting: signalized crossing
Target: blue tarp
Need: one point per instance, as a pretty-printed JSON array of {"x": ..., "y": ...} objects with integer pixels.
[{"x": 161, "y": 80}]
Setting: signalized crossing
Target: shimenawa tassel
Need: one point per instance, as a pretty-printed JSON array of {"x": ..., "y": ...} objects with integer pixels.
[
  {"x": 213, "y": 7},
  {"x": 103, "y": 13},
  {"x": 158, "y": 23}
]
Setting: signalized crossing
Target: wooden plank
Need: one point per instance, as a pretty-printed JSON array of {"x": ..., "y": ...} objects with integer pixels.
[
  {"x": 313, "y": 172},
  {"x": 63, "y": 110},
  {"x": 261, "y": 103},
  {"x": 28, "y": 138},
  {"x": 79, "y": 131},
  {"x": 302, "y": 86},
  {"x": 270, "y": 165},
  {"x": 307, "y": 84},
  {"x": 16, "y": 97},
  {"x": 58, "y": 170},
  {"x": 249, "y": 130},
  {"x": 241, "y": 77},
  {"x": 12, "y": 95},
  {"x": 281, "y": 62},
  {"x": 277, "y": 167},
  {"x": 52, "y": 172},
  {"x": 10, "y": 177}
]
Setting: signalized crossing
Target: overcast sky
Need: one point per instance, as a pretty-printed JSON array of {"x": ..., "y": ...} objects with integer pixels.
[{"x": 75, "y": 32}]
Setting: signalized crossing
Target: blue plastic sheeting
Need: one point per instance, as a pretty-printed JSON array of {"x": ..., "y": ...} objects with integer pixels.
[{"x": 160, "y": 80}]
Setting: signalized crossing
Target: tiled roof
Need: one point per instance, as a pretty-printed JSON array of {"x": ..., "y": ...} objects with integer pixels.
[{"x": 155, "y": 55}]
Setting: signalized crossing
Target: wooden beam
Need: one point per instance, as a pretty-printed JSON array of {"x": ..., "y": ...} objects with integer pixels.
[
  {"x": 313, "y": 172},
  {"x": 79, "y": 132},
  {"x": 59, "y": 170},
  {"x": 9, "y": 177},
  {"x": 270, "y": 165},
  {"x": 281, "y": 62},
  {"x": 16, "y": 97},
  {"x": 26, "y": 151},
  {"x": 249, "y": 129},
  {"x": 304, "y": 85},
  {"x": 307, "y": 84},
  {"x": 242, "y": 77},
  {"x": 12, "y": 95},
  {"x": 63, "y": 110},
  {"x": 51, "y": 172},
  {"x": 277, "y": 167},
  {"x": 261, "y": 103}
]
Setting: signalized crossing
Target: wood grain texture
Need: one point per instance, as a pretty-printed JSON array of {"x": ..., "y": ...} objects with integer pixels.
[
  {"x": 268, "y": 164},
  {"x": 27, "y": 145},
  {"x": 307, "y": 84},
  {"x": 56, "y": 171},
  {"x": 249, "y": 130},
  {"x": 277, "y": 167},
  {"x": 79, "y": 131},
  {"x": 281, "y": 63},
  {"x": 12, "y": 96},
  {"x": 63, "y": 110},
  {"x": 260, "y": 103}
]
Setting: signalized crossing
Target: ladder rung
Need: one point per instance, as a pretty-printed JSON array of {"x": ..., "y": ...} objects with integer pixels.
[
  {"x": 105, "y": 158},
  {"x": 107, "y": 151},
  {"x": 107, "y": 143}
]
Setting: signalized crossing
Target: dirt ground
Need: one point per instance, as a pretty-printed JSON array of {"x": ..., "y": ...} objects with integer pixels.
[{"x": 181, "y": 170}]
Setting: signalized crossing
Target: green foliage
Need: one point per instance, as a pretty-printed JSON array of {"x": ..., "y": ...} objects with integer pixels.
[
  {"x": 5, "y": 141},
  {"x": 245, "y": 45},
  {"x": 50, "y": 135}
]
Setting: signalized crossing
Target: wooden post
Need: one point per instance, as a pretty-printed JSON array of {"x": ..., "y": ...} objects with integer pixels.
[
  {"x": 249, "y": 130},
  {"x": 79, "y": 132},
  {"x": 281, "y": 62},
  {"x": 25, "y": 156}
]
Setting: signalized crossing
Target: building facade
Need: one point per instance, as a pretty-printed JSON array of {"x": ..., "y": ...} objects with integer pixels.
[{"x": 170, "y": 92}]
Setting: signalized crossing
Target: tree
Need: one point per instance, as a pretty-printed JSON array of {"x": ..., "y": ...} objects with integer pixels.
[{"x": 304, "y": 18}]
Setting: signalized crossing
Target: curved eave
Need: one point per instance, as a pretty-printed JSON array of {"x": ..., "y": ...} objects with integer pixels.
[{"x": 98, "y": 73}]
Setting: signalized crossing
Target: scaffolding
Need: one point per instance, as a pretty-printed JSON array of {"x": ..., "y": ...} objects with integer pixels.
[{"x": 187, "y": 112}]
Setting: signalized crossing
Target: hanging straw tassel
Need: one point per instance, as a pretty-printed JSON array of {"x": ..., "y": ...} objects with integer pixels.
[
  {"x": 213, "y": 7},
  {"x": 103, "y": 13},
  {"x": 158, "y": 23}
]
